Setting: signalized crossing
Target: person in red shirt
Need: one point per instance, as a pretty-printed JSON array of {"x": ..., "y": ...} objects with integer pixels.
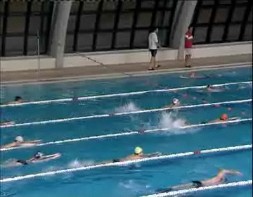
[{"x": 188, "y": 46}]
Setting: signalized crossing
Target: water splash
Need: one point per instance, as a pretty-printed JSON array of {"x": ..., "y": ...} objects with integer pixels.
[
  {"x": 169, "y": 120},
  {"x": 129, "y": 107},
  {"x": 173, "y": 123},
  {"x": 76, "y": 163}
]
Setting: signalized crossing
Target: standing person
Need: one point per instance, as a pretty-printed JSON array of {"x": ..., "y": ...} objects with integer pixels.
[
  {"x": 188, "y": 46},
  {"x": 153, "y": 45}
]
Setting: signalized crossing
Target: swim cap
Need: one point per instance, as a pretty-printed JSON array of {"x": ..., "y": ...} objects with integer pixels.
[
  {"x": 19, "y": 139},
  {"x": 38, "y": 155},
  {"x": 224, "y": 117},
  {"x": 175, "y": 101},
  {"x": 138, "y": 150}
]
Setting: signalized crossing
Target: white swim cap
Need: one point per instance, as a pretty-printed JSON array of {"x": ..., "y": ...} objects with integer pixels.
[
  {"x": 138, "y": 150},
  {"x": 19, "y": 139},
  {"x": 38, "y": 155},
  {"x": 175, "y": 101}
]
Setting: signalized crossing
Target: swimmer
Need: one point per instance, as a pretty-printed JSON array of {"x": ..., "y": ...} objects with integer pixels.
[
  {"x": 19, "y": 142},
  {"x": 210, "y": 88},
  {"x": 18, "y": 99},
  {"x": 175, "y": 103},
  {"x": 7, "y": 123},
  {"x": 218, "y": 179},
  {"x": 138, "y": 154},
  {"x": 223, "y": 118},
  {"x": 37, "y": 157},
  {"x": 193, "y": 75}
]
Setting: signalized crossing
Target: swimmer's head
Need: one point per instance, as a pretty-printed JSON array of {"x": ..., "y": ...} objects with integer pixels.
[
  {"x": 19, "y": 139},
  {"x": 175, "y": 101},
  {"x": 38, "y": 155},
  {"x": 224, "y": 117},
  {"x": 18, "y": 98},
  {"x": 208, "y": 86},
  {"x": 138, "y": 150}
]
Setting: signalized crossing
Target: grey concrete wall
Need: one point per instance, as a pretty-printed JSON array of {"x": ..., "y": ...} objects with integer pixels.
[
  {"x": 182, "y": 19},
  {"x": 60, "y": 21}
]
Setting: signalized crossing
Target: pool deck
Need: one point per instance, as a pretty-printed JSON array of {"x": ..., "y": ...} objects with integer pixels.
[{"x": 123, "y": 70}]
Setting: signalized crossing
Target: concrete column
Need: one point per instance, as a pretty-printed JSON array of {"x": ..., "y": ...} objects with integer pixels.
[
  {"x": 60, "y": 24},
  {"x": 182, "y": 19}
]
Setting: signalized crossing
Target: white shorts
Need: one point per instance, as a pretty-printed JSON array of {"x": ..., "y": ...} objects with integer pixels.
[{"x": 188, "y": 51}]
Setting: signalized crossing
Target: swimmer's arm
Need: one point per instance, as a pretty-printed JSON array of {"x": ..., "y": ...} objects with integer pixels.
[
  {"x": 233, "y": 172},
  {"x": 32, "y": 142},
  {"x": 152, "y": 154},
  {"x": 9, "y": 145}
]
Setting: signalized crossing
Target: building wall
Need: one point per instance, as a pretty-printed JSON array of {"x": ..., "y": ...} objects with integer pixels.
[{"x": 116, "y": 31}]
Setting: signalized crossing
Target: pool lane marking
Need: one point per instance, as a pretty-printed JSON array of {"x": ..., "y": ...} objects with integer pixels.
[
  {"x": 121, "y": 94},
  {"x": 205, "y": 188},
  {"x": 124, "y": 163},
  {"x": 124, "y": 113},
  {"x": 113, "y": 135}
]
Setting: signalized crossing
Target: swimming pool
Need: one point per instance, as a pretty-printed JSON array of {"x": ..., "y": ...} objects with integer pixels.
[{"x": 102, "y": 123}]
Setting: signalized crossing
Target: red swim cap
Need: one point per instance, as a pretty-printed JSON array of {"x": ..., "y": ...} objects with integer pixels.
[{"x": 224, "y": 117}]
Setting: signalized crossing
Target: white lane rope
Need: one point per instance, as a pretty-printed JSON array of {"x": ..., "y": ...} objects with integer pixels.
[
  {"x": 121, "y": 94},
  {"x": 124, "y": 163},
  {"x": 124, "y": 113},
  {"x": 193, "y": 190},
  {"x": 119, "y": 134}
]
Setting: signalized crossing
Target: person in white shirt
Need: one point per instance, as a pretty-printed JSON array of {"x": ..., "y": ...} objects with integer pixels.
[{"x": 153, "y": 45}]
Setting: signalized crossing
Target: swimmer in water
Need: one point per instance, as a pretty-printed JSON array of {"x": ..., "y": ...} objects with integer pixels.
[
  {"x": 193, "y": 75},
  {"x": 37, "y": 157},
  {"x": 175, "y": 103},
  {"x": 216, "y": 180},
  {"x": 210, "y": 88},
  {"x": 223, "y": 118},
  {"x": 7, "y": 123},
  {"x": 138, "y": 154},
  {"x": 19, "y": 142},
  {"x": 18, "y": 99}
]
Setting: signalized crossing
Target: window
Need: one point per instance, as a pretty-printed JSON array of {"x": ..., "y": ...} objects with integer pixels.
[
  {"x": 204, "y": 16},
  {"x": 233, "y": 32},
  {"x": 87, "y": 22},
  {"x": 144, "y": 19},
  {"x": 248, "y": 32},
  {"x": 125, "y": 20},
  {"x": 85, "y": 41},
  {"x": 123, "y": 39},
  {"x": 106, "y": 21},
  {"x": 217, "y": 33},
  {"x": 110, "y": 5},
  {"x": 221, "y": 15},
  {"x": 200, "y": 34},
  {"x": 23, "y": 21},
  {"x": 141, "y": 39},
  {"x": 104, "y": 41},
  {"x": 109, "y": 25},
  {"x": 238, "y": 14},
  {"x": 222, "y": 21}
]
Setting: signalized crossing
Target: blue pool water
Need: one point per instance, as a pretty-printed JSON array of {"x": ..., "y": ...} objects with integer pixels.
[{"x": 142, "y": 178}]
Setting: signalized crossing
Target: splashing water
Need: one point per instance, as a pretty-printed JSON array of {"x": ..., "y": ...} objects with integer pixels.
[
  {"x": 129, "y": 107},
  {"x": 76, "y": 163},
  {"x": 168, "y": 120}
]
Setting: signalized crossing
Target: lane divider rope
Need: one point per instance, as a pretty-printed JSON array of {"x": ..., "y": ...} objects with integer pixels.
[
  {"x": 124, "y": 113},
  {"x": 186, "y": 191},
  {"x": 120, "y": 94},
  {"x": 124, "y": 163},
  {"x": 119, "y": 134}
]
